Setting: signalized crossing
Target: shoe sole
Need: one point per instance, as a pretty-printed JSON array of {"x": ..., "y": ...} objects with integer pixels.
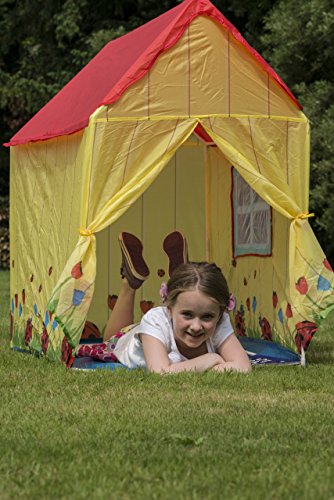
[
  {"x": 175, "y": 246},
  {"x": 132, "y": 250}
]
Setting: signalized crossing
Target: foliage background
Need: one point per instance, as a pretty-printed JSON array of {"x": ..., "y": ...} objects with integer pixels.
[{"x": 44, "y": 43}]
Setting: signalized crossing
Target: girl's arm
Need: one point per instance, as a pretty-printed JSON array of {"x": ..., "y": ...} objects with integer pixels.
[
  {"x": 234, "y": 356},
  {"x": 157, "y": 360}
]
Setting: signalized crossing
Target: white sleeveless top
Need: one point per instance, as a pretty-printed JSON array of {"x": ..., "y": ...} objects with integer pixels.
[{"x": 157, "y": 323}]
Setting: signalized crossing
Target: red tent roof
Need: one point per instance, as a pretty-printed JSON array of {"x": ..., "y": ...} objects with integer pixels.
[{"x": 118, "y": 65}]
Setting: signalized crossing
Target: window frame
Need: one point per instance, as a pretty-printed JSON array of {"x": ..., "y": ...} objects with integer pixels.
[{"x": 250, "y": 248}]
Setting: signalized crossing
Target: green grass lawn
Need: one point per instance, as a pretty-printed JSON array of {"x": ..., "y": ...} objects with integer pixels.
[{"x": 75, "y": 435}]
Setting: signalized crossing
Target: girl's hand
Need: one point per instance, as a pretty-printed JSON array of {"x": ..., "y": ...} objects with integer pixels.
[
  {"x": 234, "y": 356},
  {"x": 230, "y": 366},
  {"x": 157, "y": 359}
]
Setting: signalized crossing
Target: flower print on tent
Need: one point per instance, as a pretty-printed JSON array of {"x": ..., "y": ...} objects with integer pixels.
[
  {"x": 45, "y": 340},
  {"x": 240, "y": 324},
  {"x": 266, "y": 329},
  {"x": 28, "y": 332},
  {"x": 323, "y": 284},
  {"x": 288, "y": 311},
  {"x": 327, "y": 265},
  {"x": 302, "y": 285},
  {"x": 66, "y": 353}
]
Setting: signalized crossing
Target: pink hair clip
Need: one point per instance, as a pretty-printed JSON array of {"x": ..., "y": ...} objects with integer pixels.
[
  {"x": 231, "y": 302},
  {"x": 163, "y": 292}
]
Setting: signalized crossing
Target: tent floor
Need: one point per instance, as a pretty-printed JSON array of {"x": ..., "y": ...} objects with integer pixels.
[{"x": 260, "y": 352}]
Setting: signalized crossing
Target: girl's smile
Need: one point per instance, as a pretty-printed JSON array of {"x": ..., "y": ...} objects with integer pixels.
[{"x": 194, "y": 316}]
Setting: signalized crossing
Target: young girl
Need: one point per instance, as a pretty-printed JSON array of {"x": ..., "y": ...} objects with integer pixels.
[{"x": 191, "y": 331}]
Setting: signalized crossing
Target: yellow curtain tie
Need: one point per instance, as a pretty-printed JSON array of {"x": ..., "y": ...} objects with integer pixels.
[
  {"x": 303, "y": 216},
  {"x": 85, "y": 232}
]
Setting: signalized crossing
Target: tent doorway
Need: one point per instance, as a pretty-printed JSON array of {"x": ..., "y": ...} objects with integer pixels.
[{"x": 176, "y": 200}]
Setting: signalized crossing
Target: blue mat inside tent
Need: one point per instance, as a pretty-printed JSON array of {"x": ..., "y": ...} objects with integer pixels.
[
  {"x": 87, "y": 363},
  {"x": 260, "y": 352},
  {"x": 263, "y": 352}
]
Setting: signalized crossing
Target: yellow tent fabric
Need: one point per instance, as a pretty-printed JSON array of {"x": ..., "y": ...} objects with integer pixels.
[{"x": 69, "y": 191}]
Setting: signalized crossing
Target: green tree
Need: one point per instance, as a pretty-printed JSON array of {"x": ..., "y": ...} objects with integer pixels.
[{"x": 298, "y": 42}]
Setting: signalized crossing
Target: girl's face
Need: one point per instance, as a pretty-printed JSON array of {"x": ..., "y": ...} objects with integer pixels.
[{"x": 194, "y": 317}]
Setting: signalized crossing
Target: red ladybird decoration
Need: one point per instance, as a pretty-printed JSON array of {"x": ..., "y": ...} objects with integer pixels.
[
  {"x": 146, "y": 305},
  {"x": 112, "y": 301},
  {"x": 304, "y": 335},
  {"x": 90, "y": 331}
]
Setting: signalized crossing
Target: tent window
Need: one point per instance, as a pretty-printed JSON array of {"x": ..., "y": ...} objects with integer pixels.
[{"x": 251, "y": 218}]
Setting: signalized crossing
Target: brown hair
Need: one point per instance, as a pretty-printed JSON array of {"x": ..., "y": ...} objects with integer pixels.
[{"x": 203, "y": 276}]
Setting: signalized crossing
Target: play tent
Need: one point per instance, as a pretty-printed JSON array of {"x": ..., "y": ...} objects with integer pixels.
[{"x": 179, "y": 124}]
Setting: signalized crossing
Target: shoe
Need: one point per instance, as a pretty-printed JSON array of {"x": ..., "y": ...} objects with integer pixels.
[
  {"x": 134, "y": 268},
  {"x": 175, "y": 246}
]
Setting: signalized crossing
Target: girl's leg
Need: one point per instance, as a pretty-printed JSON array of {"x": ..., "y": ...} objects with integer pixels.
[
  {"x": 134, "y": 272},
  {"x": 122, "y": 314}
]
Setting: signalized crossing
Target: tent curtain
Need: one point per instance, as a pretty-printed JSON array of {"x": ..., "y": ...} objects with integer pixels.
[
  {"x": 116, "y": 175},
  {"x": 251, "y": 147}
]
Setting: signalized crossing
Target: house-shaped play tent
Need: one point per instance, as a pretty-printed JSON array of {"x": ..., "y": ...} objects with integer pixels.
[{"x": 178, "y": 125}]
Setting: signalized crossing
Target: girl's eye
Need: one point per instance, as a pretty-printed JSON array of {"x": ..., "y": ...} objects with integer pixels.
[
  {"x": 208, "y": 317},
  {"x": 186, "y": 314}
]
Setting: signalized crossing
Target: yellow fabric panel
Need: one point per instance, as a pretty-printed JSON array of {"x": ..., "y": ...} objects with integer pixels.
[
  {"x": 172, "y": 68},
  {"x": 135, "y": 102},
  {"x": 206, "y": 72},
  {"x": 293, "y": 285},
  {"x": 208, "y": 67},
  {"x": 46, "y": 181},
  {"x": 98, "y": 310},
  {"x": 251, "y": 279},
  {"x": 298, "y": 153},
  {"x": 254, "y": 151},
  {"x": 149, "y": 97},
  {"x": 124, "y": 157},
  {"x": 248, "y": 82},
  {"x": 219, "y": 209},
  {"x": 280, "y": 103}
]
